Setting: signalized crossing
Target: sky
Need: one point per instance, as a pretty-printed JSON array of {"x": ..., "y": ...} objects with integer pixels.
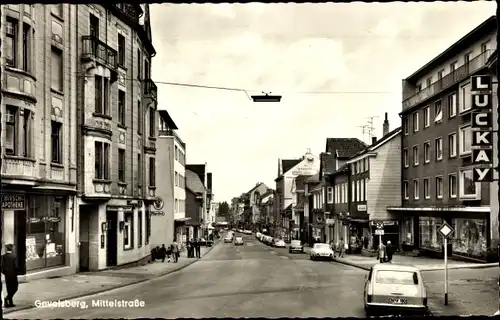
[{"x": 335, "y": 65}]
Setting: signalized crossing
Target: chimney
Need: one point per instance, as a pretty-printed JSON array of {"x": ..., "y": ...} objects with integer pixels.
[
  {"x": 374, "y": 139},
  {"x": 385, "y": 126}
]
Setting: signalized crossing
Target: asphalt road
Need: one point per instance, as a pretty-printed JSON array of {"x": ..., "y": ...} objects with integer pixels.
[{"x": 245, "y": 281}]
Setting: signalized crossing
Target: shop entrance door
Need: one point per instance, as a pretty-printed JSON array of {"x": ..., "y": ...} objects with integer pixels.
[
  {"x": 20, "y": 240},
  {"x": 84, "y": 248},
  {"x": 112, "y": 239}
]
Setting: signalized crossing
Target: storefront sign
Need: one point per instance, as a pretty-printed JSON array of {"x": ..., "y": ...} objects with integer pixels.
[
  {"x": 157, "y": 213},
  {"x": 482, "y": 128},
  {"x": 13, "y": 202},
  {"x": 158, "y": 203},
  {"x": 362, "y": 207},
  {"x": 330, "y": 222}
]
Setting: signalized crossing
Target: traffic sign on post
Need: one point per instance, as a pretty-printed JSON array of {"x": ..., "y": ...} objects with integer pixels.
[
  {"x": 379, "y": 232},
  {"x": 446, "y": 231}
]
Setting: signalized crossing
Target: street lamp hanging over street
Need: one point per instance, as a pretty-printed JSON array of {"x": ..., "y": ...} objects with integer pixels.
[{"x": 266, "y": 98}]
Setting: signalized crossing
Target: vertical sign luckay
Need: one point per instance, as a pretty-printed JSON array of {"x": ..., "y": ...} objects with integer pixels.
[{"x": 482, "y": 128}]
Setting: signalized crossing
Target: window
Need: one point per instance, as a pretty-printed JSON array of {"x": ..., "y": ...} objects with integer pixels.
[
  {"x": 146, "y": 70},
  {"x": 152, "y": 114},
  {"x": 139, "y": 231},
  {"x": 419, "y": 87},
  {"x": 139, "y": 63},
  {"x": 484, "y": 47},
  {"x": 415, "y": 156},
  {"x": 358, "y": 190},
  {"x": 465, "y": 98},
  {"x": 452, "y": 145},
  {"x": 101, "y": 161},
  {"x": 176, "y": 179},
  {"x": 121, "y": 50},
  {"x": 405, "y": 158},
  {"x": 440, "y": 74},
  {"x": 176, "y": 153},
  {"x": 397, "y": 277},
  {"x": 416, "y": 190},
  {"x": 468, "y": 188},
  {"x": 427, "y": 117},
  {"x": 121, "y": 165},
  {"x": 353, "y": 193},
  {"x": 439, "y": 187},
  {"x": 139, "y": 170},
  {"x": 56, "y": 142},
  {"x": 427, "y": 152},
  {"x": 453, "y": 66},
  {"x": 363, "y": 189},
  {"x": 101, "y": 95},
  {"x": 467, "y": 60},
  {"x": 139, "y": 117},
  {"x": 438, "y": 149},
  {"x": 429, "y": 235},
  {"x": 94, "y": 26},
  {"x": 9, "y": 47},
  {"x": 452, "y": 105},
  {"x": 57, "y": 9},
  {"x": 452, "y": 185},
  {"x": 438, "y": 112},
  {"x": 176, "y": 205},
  {"x": 428, "y": 81},
  {"x": 465, "y": 140},
  {"x": 330, "y": 194},
  {"x": 57, "y": 69},
  {"x": 152, "y": 172},
  {"x": 470, "y": 237},
  {"x": 406, "y": 125},
  {"x": 406, "y": 192},
  {"x": 128, "y": 231},
  {"x": 427, "y": 194},
  {"x": 121, "y": 107},
  {"x": 11, "y": 130},
  {"x": 415, "y": 121},
  {"x": 27, "y": 133},
  {"x": 26, "y": 47}
]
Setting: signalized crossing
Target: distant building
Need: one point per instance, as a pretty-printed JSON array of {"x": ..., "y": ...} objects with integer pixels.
[{"x": 195, "y": 197}]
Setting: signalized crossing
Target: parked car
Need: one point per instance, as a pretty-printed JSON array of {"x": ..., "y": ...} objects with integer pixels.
[
  {"x": 238, "y": 241},
  {"x": 321, "y": 251},
  {"x": 228, "y": 239},
  {"x": 296, "y": 246},
  {"x": 257, "y": 235},
  {"x": 395, "y": 288},
  {"x": 278, "y": 243}
]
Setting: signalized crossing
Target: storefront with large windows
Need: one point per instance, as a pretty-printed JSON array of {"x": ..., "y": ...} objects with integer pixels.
[{"x": 470, "y": 237}]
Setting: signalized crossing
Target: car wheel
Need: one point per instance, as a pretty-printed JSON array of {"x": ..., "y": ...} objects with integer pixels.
[{"x": 368, "y": 313}]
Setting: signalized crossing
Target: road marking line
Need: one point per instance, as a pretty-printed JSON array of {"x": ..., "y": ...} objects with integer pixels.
[
  {"x": 273, "y": 252},
  {"x": 284, "y": 257}
]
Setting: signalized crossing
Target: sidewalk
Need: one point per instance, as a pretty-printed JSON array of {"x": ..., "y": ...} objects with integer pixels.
[{"x": 89, "y": 283}]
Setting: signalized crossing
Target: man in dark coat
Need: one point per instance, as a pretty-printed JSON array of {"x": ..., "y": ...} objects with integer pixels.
[
  {"x": 163, "y": 253},
  {"x": 9, "y": 269},
  {"x": 197, "y": 248},
  {"x": 389, "y": 251}
]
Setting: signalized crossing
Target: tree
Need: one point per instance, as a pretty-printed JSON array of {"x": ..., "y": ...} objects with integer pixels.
[{"x": 223, "y": 209}]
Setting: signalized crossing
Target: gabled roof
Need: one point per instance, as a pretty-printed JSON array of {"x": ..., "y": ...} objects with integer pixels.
[
  {"x": 344, "y": 148},
  {"x": 288, "y": 164},
  {"x": 388, "y": 137},
  {"x": 328, "y": 163},
  {"x": 199, "y": 169},
  {"x": 256, "y": 186},
  {"x": 193, "y": 182}
]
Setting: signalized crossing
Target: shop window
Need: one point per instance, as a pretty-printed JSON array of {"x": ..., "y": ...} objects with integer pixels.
[
  {"x": 45, "y": 232},
  {"x": 470, "y": 237},
  {"x": 141, "y": 216},
  {"x": 128, "y": 231},
  {"x": 148, "y": 225},
  {"x": 429, "y": 235},
  {"x": 407, "y": 231}
]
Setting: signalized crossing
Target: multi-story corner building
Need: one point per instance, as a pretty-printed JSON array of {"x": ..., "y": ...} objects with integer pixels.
[
  {"x": 288, "y": 170},
  {"x": 39, "y": 160},
  {"x": 171, "y": 181},
  {"x": 437, "y": 164},
  {"x": 116, "y": 132}
]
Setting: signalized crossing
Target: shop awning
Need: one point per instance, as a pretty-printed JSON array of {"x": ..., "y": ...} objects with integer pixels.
[{"x": 182, "y": 219}]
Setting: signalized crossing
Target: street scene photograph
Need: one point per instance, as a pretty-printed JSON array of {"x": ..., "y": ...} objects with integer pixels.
[{"x": 249, "y": 160}]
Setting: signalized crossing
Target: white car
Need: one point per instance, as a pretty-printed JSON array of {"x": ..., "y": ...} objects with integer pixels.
[
  {"x": 278, "y": 243},
  {"x": 228, "y": 239},
  {"x": 321, "y": 251},
  {"x": 395, "y": 288}
]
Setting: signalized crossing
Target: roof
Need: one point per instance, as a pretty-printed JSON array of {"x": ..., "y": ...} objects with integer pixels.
[
  {"x": 193, "y": 182},
  {"x": 388, "y": 137},
  {"x": 168, "y": 119},
  {"x": 343, "y": 169},
  {"x": 328, "y": 163},
  {"x": 256, "y": 186},
  {"x": 395, "y": 266},
  {"x": 300, "y": 182},
  {"x": 313, "y": 179},
  {"x": 344, "y": 147},
  {"x": 487, "y": 26},
  {"x": 288, "y": 164},
  {"x": 199, "y": 169}
]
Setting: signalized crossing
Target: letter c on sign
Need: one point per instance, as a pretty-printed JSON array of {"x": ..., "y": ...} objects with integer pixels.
[{"x": 480, "y": 122}]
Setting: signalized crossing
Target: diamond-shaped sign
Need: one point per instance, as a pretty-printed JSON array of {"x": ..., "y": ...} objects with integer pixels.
[{"x": 446, "y": 230}]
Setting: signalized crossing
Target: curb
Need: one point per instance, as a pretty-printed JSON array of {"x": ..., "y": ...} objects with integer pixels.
[
  {"x": 91, "y": 293},
  {"x": 351, "y": 264}
]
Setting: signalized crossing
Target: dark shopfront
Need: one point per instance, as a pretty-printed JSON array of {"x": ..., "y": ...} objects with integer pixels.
[
  {"x": 391, "y": 233},
  {"x": 36, "y": 225}
]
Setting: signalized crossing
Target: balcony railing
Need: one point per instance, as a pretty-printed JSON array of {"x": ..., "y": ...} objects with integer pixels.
[
  {"x": 131, "y": 10},
  {"x": 150, "y": 88},
  {"x": 450, "y": 79},
  {"x": 100, "y": 51}
]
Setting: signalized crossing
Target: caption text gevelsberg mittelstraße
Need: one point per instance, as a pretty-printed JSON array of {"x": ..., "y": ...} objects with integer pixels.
[{"x": 94, "y": 303}]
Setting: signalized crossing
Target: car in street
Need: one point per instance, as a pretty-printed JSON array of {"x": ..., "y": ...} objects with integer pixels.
[
  {"x": 321, "y": 251},
  {"x": 392, "y": 288},
  {"x": 228, "y": 239},
  {"x": 238, "y": 241},
  {"x": 279, "y": 243},
  {"x": 296, "y": 246},
  {"x": 249, "y": 232},
  {"x": 257, "y": 235}
]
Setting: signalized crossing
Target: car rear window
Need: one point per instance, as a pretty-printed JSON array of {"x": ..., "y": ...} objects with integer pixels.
[
  {"x": 322, "y": 246},
  {"x": 295, "y": 243},
  {"x": 239, "y": 238},
  {"x": 396, "y": 277}
]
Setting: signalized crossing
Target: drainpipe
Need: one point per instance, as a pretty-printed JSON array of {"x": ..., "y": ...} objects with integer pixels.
[{"x": 498, "y": 140}]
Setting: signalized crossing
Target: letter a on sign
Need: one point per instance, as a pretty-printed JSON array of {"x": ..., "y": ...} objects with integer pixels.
[
  {"x": 482, "y": 156},
  {"x": 481, "y": 83},
  {"x": 482, "y": 138},
  {"x": 482, "y": 175}
]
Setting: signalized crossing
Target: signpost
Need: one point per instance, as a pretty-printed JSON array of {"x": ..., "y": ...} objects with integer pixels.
[
  {"x": 482, "y": 128},
  {"x": 379, "y": 231},
  {"x": 446, "y": 231}
]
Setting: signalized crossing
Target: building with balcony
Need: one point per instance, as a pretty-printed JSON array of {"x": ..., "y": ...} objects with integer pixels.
[
  {"x": 39, "y": 162},
  {"x": 116, "y": 132},
  {"x": 171, "y": 176},
  {"x": 436, "y": 160},
  {"x": 195, "y": 197}
]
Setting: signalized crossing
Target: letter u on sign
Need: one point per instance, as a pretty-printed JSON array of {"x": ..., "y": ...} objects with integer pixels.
[{"x": 481, "y": 101}]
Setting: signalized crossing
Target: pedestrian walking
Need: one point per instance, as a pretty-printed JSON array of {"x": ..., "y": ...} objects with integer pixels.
[
  {"x": 163, "y": 253},
  {"x": 169, "y": 253},
  {"x": 175, "y": 251},
  {"x": 198, "y": 248},
  {"x": 9, "y": 269},
  {"x": 189, "y": 245},
  {"x": 341, "y": 247},
  {"x": 382, "y": 253},
  {"x": 389, "y": 251}
]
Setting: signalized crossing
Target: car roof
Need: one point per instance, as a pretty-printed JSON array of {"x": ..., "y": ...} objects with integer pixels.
[{"x": 395, "y": 267}]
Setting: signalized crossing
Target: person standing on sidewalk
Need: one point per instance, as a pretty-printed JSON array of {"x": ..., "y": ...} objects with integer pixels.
[
  {"x": 175, "y": 251},
  {"x": 382, "y": 253},
  {"x": 197, "y": 247},
  {"x": 163, "y": 253},
  {"x": 389, "y": 251},
  {"x": 9, "y": 269},
  {"x": 341, "y": 247}
]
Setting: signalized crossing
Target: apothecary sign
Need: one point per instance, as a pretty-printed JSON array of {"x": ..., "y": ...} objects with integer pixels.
[{"x": 13, "y": 202}]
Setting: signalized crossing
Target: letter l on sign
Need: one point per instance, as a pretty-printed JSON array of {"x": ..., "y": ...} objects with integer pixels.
[{"x": 482, "y": 82}]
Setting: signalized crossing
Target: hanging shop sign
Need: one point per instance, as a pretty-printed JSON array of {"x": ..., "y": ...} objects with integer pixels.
[
  {"x": 482, "y": 128},
  {"x": 13, "y": 202}
]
